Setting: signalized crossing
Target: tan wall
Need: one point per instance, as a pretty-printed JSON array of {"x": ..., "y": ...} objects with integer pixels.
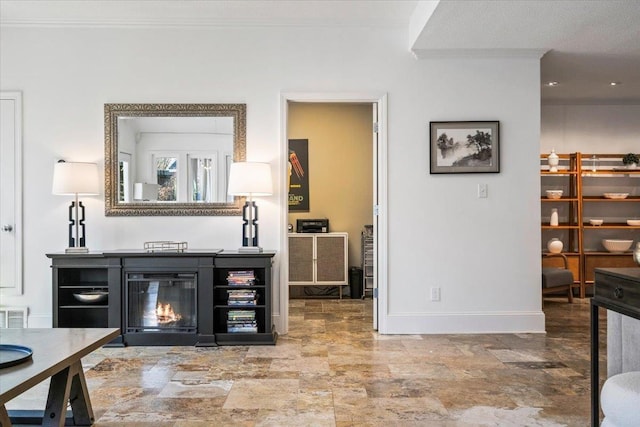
[{"x": 340, "y": 166}]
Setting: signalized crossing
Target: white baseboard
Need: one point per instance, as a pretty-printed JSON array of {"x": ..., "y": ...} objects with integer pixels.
[
  {"x": 466, "y": 323},
  {"x": 277, "y": 322}
]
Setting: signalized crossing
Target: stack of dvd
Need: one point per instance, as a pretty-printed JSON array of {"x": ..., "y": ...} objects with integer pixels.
[
  {"x": 241, "y": 297},
  {"x": 241, "y": 278},
  {"x": 242, "y": 321}
]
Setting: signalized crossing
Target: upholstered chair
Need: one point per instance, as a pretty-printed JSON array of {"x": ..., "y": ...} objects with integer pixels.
[{"x": 556, "y": 276}]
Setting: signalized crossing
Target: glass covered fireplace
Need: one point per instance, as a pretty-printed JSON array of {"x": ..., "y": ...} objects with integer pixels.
[{"x": 161, "y": 302}]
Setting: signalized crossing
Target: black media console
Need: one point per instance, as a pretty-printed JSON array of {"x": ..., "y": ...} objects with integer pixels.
[{"x": 197, "y": 297}]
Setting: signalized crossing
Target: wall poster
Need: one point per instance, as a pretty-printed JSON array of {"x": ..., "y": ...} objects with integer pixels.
[{"x": 298, "y": 175}]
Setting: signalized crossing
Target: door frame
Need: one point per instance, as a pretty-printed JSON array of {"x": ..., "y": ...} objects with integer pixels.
[
  {"x": 16, "y": 97},
  {"x": 380, "y": 183}
]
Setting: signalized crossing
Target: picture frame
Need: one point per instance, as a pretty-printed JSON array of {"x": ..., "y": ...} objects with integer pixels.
[{"x": 464, "y": 147}]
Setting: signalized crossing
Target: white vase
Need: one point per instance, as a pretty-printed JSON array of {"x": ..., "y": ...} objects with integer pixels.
[
  {"x": 554, "y": 218},
  {"x": 555, "y": 245},
  {"x": 553, "y": 161},
  {"x": 636, "y": 253}
]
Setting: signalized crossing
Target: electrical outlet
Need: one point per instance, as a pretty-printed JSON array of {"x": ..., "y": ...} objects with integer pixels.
[
  {"x": 435, "y": 294},
  {"x": 483, "y": 191}
]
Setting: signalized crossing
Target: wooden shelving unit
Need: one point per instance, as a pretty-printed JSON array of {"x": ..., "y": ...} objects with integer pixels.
[{"x": 584, "y": 178}]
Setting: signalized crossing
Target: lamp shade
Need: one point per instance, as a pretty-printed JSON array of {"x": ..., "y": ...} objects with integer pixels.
[
  {"x": 250, "y": 179},
  {"x": 75, "y": 178}
]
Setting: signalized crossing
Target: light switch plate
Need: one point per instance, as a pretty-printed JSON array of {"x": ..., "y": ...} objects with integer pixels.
[{"x": 483, "y": 191}]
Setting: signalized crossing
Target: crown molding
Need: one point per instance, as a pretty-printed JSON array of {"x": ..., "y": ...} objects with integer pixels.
[
  {"x": 595, "y": 101},
  {"x": 137, "y": 23},
  {"x": 478, "y": 53}
]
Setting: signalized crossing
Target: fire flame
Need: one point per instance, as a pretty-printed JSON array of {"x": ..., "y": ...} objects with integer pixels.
[{"x": 165, "y": 313}]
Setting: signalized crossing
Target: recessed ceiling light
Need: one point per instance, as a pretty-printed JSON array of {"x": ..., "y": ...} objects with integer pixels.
[
  {"x": 553, "y": 83},
  {"x": 615, "y": 83}
]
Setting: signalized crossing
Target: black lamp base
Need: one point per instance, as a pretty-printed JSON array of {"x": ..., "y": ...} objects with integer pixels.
[
  {"x": 249, "y": 225},
  {"x": 76, "y": 224},
  {"x": 77, "y": 236}
]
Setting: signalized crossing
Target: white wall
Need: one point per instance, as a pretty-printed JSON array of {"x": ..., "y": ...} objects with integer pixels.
[
  {"x": 590, "y": 128},
  {"x": 482, "y": 253}
]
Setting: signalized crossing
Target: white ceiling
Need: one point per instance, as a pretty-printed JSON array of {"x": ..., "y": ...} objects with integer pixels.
[{"x": 589, "y": 42}]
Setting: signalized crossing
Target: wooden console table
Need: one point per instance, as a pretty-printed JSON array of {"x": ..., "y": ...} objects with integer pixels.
[{"x": 616, "y": 289}]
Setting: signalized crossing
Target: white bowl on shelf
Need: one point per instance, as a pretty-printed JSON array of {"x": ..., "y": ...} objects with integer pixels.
[
  {"x": 635, "y": 222},
  {"x": 617, "y": 245},
  {"x": 554, "y": 194},
  {"x": 596, "y": 221},
  {"x": 615, "y": 195},
  {"x": 91, "y": 296}
]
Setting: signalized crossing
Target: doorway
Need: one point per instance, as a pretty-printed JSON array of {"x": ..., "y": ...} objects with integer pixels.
[
  {"x": 375, "y": 107},
  {"x": 11, "y": 193}
]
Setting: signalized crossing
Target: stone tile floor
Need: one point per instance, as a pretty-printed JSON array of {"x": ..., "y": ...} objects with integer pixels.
[{"x": 333, "y": 370}]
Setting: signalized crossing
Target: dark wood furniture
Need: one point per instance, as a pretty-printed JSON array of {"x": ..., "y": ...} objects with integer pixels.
[
  {"x": 616, "y": 289},
  {"x": 260, "y": 264},
  {"x": 86, "y": 272},
  {"x": 56, "y": 354},
  {"x": 110, "y": 271}
]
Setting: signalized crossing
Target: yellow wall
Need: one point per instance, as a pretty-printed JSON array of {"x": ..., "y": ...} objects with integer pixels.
[{"x": 340, "y": 166}]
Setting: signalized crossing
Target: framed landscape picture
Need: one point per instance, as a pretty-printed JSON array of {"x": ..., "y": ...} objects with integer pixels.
[{"x": 464, "y": 147}]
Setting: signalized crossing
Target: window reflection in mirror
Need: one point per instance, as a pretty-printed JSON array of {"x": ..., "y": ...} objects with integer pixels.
[
  {"x": 167, "y": 178},
  {"x": 202, "y": 181},
  {"x": 123, "y": 177}
]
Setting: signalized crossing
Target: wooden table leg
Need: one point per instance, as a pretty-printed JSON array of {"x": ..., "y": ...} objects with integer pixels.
[
  {"x": 79, "y": 398},
  {"x": 68, "y": 385},
  {"x": 4, "y": 417}
]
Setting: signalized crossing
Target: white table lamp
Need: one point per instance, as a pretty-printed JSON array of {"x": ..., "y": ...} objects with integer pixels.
[
  {"x": 70, "y": 178},
  {"x": 250, "y": 179}
]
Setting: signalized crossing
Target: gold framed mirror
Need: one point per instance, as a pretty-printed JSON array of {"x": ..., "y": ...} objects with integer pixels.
[{"x": 172, "y": 159}]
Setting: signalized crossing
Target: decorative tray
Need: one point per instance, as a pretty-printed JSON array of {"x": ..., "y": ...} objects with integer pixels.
[
  {"x": 165, "y": 246},
  {"x": 11, "y": 355}
]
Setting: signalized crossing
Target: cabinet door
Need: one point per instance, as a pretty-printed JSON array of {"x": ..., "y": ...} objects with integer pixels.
[
  {"x": 301, "y": 258},
  {"x": 331, "y": 259}
]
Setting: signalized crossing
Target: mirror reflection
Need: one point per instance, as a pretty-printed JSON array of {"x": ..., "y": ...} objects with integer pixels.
[{"x": 172, "y": 159}]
